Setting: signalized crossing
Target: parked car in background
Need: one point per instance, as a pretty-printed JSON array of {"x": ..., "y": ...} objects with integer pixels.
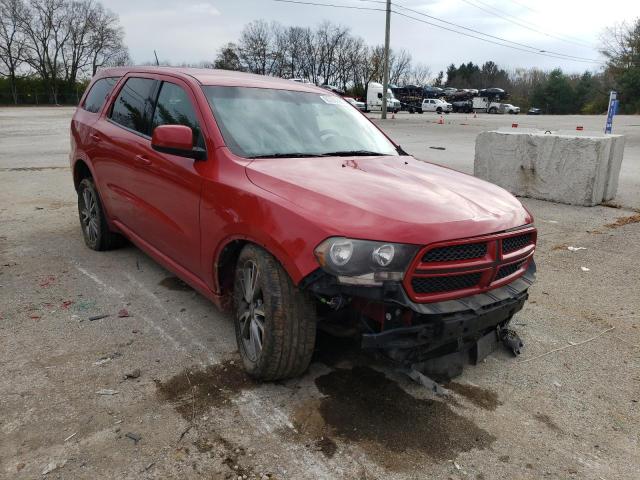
[
  {"x": 436, "y": 105},
  {"x": 508, "y": 108},
  {"x": 272, "y": 199},
  {"x": 356, "y": 103},
  {"x": 462, "y": 106},
  {"x": 534, "y": 111},
  {"x": 432, "y": 92}
]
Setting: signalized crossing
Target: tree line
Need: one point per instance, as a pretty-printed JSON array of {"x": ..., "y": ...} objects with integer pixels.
[
  {"x": 326, "y": 54},
  {"x": 330, "y": 54},
  {"x": 48, "y": 46},
  {"x": 52, "y": 46}
]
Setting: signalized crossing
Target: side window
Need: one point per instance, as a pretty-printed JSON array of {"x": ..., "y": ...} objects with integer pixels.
[
  {"x": 175, "y": 108},
  {"x": 130, "y": 107},
  {"x": 98, "y": 93}
]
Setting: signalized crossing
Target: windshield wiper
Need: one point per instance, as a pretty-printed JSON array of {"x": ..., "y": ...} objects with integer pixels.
[{"x": 354, "y": 153}]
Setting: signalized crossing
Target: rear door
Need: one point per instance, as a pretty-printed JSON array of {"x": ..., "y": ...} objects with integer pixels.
[
  {"x": 123, "y": 139},
  {"x": 170, "y": 185}
]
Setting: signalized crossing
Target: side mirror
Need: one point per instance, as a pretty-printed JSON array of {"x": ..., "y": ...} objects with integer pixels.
[{"x": 176, "y": 140}]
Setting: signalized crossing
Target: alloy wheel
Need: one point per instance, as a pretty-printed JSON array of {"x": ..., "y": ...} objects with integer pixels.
[
  {"x": 89, "y": 214},
  {"x": 251, "y": 314}
]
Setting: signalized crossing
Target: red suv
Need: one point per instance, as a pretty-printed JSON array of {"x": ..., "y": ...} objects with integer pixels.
[{"x": 283, "y": 202}]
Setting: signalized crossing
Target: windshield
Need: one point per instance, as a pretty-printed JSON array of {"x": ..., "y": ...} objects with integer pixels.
[{"x": 260, "y": 122}]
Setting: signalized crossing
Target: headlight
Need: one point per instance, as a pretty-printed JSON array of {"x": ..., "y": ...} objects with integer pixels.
[{"x": 364, "y": 262}]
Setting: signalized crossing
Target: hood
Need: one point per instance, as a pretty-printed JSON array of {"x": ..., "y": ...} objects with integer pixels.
[{"x": 395, "y": 199}]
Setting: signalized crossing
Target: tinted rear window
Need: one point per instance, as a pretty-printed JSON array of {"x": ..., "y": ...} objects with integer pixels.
[
  {"x": 131, "y": 107},
  {"x": 98, "y": 93}
]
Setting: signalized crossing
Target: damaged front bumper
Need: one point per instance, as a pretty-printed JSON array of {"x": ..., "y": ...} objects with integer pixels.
[{"x": 430, "y": 326}]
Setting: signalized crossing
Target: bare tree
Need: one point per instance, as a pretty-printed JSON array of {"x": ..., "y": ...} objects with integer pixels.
[
  {"x": 419, "y": 74},
  {"x": 399, "y": 66},
  {"x": 621, "y": 45},
  {"x": 76, "y": 51},
  {"x": 12, "y": 41},
  {"x": 255, "y": 47},
  {"x": 107, "y": 46},
  {"x": 45, "y": 27}
]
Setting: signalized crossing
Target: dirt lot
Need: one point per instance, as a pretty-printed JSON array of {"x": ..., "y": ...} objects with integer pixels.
[{"x": 183, "y": 409}]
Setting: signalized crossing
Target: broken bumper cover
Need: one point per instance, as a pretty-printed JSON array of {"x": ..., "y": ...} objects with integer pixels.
[
  {"x": 434, "y": 324},
  {"x": 448, "y": 328}
]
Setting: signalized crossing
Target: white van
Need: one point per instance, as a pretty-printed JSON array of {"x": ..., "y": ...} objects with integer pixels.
[{"x": 374, "y": 99}]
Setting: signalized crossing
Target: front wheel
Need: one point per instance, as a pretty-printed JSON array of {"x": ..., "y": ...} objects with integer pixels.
[{"x": 275, "y": 322}]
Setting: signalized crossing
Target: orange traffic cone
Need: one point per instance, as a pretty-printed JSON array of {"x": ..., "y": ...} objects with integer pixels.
[
  {"x": 580, "y": 127},
  {"x": 514, "y": 125},
  {"x": 441, "y": 121}
]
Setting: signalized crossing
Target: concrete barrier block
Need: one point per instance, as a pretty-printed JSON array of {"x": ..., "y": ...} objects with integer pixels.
[{"x": 578, "y": 169}]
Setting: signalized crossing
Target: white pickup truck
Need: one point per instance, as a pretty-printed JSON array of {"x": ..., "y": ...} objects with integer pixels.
[{"x": 436, "y": 105}]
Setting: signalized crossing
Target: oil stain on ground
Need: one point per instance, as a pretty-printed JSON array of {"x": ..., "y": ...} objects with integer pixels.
[
  {"x": 362, "y": 405},
  {"x": 194, "y": 390},
  {"x": 480, "y": 397},
  {"x": 174, "y": 283}
]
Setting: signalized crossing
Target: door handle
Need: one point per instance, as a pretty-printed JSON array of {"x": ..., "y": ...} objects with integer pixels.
[
  {"x": 95, "y": 137},
  {"x": 142, "y": 161}
]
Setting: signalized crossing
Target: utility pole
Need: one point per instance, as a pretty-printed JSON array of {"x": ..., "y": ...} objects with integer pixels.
[{"x": 385, "y": 76}]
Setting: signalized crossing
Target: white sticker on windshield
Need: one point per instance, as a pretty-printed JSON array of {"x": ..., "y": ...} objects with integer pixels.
[{"x": 331, "y": 100}]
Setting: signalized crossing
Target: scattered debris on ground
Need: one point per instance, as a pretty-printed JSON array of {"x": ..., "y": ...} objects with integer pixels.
[
  {"x": 621, "y": 221},
  {"x": 135, "y": 373},
  {"x": 136, "y": 437},
  {"x": 107, "y": 391}
]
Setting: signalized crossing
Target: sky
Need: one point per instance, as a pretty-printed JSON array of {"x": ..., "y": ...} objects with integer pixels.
[{"x": 193, "y": 30}]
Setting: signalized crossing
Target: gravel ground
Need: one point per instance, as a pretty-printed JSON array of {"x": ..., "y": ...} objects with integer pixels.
[{"x": 154, "y": 390}]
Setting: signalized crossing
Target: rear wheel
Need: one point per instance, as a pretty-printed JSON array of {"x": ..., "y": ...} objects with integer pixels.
[
  {"x": 275, "y": 322},
  {"x": 95, "y": 228},
  {"x": 439, "y": 111}
]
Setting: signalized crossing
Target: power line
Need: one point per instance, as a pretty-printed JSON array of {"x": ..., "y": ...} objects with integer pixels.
[
  {"x": 509, "y": 18},
  {"x": 539, "y": 52},
  {"x": 502, "y": 42},
  {"x": 573, "y": 57},
  {"x": 352, "y": 7}
]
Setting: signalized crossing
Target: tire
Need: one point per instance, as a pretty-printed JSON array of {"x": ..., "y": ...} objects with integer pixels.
[
  {"x": 275, "y": 322},
  {"x": 493, "y": 110},
  {"x": 439, "y": 111},
  {"x": 93, "y": 222}
]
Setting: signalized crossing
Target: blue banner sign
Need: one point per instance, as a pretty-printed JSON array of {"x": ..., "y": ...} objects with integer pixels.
[{"x": 613, "y": 109}]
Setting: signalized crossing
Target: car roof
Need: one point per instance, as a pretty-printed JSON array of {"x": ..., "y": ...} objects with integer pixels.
[{"x": 211, "y": 76}]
